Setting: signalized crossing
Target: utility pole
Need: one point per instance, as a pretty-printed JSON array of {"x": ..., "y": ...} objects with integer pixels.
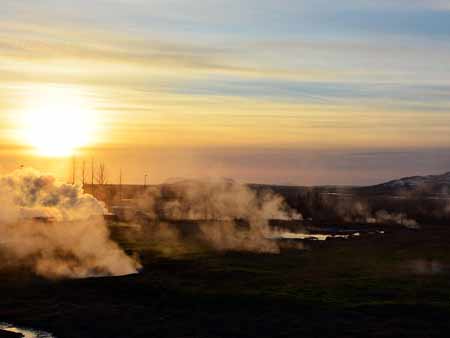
[
  {"x": 120, "y": 185},
  {"x": 92, "y": 176}
]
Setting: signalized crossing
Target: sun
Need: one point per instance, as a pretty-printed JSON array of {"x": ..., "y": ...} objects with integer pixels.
[{"x": 57, "y": 121}]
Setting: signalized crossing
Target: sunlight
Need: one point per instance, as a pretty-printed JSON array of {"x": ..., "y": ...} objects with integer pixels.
[{"x": 57, "y": 121}]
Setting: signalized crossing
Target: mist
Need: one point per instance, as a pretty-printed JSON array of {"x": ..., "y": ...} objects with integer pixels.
[
  {"x": 55, "y": 230},
  {"x": 231, "y": 216},
  {"x": 361, "y": 212}
]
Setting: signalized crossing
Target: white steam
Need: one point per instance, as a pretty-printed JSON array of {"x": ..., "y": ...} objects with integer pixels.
[
  {"x": 384, "y": 217},
  {"x": 360, "y": 212},
  {"x": 220, "y": 206},
  {"x": 55, "y": 229}
]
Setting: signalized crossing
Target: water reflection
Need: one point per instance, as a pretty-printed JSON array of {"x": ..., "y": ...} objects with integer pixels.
[
  {"x": 27, "y": 333},
  {"x": 313, "y": 236}
]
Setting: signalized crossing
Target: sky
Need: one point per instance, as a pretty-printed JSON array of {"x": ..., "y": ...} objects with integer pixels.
[{"x": 269, "y": 91}]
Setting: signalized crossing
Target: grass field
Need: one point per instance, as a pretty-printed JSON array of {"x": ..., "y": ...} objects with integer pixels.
[{"x": 391, "y": 285}]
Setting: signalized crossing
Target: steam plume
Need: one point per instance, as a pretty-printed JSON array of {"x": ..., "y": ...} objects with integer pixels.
[
  {"x": 219, "y": 205},
  {"x": 55, "y": 229},
  {"x": 361, "y": 212}
]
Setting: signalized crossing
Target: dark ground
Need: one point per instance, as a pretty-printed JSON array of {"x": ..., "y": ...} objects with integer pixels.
[
  {"x": 8, "y": 334},
  {"x": 392, "y": 285}
]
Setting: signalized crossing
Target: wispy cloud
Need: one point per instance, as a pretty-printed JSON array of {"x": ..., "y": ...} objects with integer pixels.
[{"x": 259, "y": 73}]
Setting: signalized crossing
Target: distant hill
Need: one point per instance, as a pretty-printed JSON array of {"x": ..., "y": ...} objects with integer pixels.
[{"x": 428, "y": 185}]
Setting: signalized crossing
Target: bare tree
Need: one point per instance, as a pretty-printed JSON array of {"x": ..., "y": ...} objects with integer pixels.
[
  {"x": 83, "y": 173},
  {"x": 101, "y": 175},
  {"x": 92, "y": 176}
]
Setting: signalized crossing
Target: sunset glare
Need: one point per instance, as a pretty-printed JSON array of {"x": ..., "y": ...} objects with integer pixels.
[{"x": 57, "y": 122}]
